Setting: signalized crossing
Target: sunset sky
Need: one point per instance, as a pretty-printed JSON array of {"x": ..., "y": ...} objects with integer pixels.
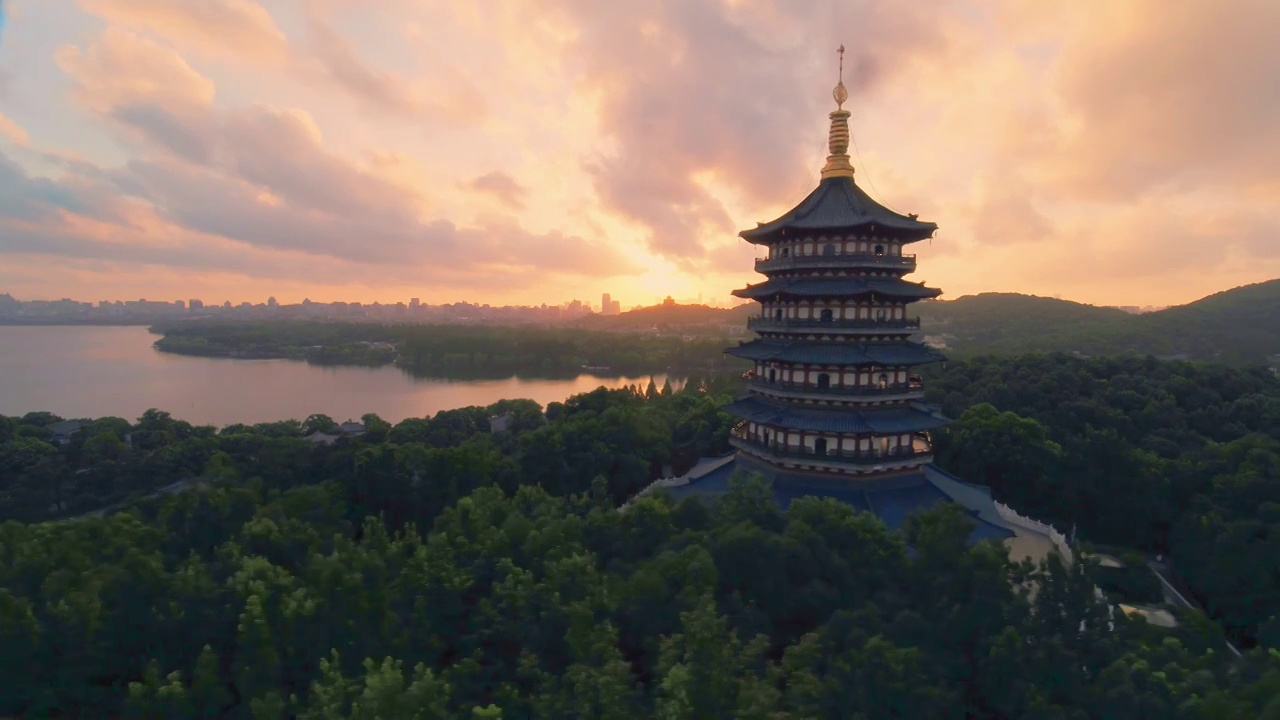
[{"x": 1110, "y": 152}]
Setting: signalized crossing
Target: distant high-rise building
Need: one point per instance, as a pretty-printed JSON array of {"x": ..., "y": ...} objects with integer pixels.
[
  {"x": 194, "y": 304},
  {"x": 180, "y": 304},
  {"x": 414, "y": 303},
  {"x": 271, "y": 303},
  {"x": 604, "y": 304}
]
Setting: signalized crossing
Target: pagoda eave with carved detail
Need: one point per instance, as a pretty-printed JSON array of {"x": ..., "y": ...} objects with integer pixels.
[{"x": 840, "y": 209}]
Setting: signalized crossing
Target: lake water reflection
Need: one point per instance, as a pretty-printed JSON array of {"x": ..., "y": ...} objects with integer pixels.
[{"x": 84, "y": 371}]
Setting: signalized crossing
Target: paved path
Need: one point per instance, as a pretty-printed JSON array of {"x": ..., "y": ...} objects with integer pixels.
[{"x": 1172, "y": 595}]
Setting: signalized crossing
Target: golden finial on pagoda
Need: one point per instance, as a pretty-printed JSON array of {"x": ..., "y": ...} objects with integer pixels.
[
  {"x": 838, "y": 164},
  {"x": 840, "y": 94}
]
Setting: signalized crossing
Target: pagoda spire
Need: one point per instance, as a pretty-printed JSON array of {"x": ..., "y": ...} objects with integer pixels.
[{"x": 838, "y": 164}]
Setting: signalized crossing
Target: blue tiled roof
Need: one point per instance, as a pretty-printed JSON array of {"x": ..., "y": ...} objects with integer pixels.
[
  {"x": 838, "y": 287},
  {"x": 892, "y": 500},
  {"x": 904, "y": 418},
  {"x": 838, "y": 203},
  {"x": 895, "y": 353}
]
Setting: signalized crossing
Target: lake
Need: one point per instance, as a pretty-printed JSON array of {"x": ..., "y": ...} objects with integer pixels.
[{"x": 88, "y": 371}]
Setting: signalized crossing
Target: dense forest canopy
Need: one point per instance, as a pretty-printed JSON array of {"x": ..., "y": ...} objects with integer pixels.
[
  {"x": 440, "y": 568},
  {"x": 1173, "y": 458}
]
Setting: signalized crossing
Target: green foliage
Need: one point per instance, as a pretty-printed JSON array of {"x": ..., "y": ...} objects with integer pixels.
[
  {"x": 436, "y": 569},
  {"x": 451, "y": 350},
  {"x": 1235, "y": 326},
  {"x": 1174, "y": 458}
]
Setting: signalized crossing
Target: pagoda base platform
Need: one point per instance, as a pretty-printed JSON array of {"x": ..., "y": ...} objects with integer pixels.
[{"x": 892, "y": 497}]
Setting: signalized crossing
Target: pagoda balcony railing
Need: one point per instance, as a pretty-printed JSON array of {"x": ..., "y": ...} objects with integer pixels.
[
  {"x": 754, "y": 382},
  {"x": 801, "y": 452},
  {"x": 765, "y": 322},
  {"x": 897, "y": 262}
]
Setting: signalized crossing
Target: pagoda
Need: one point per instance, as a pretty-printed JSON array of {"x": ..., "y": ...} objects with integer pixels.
[
  {"x": 833, "y": 390},
  {"x": 832, "y": 406}
]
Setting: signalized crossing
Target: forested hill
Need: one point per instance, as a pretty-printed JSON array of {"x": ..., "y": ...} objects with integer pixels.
[{"x": 1236, "y": 326}]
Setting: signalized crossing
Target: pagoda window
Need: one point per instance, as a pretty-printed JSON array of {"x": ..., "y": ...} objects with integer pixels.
[
  {"x": 777, "y": 314},
  {"x": 828, "y": 249},
  {"x": 824, "y": 381},
  {"x": 882, "y": 381},
  {"x": 820, "y": 446},
  {"x": 786, "y": 252},
  {"x": 879, "y": 251},
  {"x": 773, "y": 375},
  {"x": 880, "y": 314},
  {"x": 826, "y": 316}
]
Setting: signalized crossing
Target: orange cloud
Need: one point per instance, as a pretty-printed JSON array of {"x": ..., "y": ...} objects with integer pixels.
[
  {"x": 501, "y": 187},
  {"x": 13, "y": 132},
  {"x": 121, "y": 67},
  {"x": 1126, "y": 152},
  {"x": 231, "y": 30},
  {"x": 262, "y": 195}
]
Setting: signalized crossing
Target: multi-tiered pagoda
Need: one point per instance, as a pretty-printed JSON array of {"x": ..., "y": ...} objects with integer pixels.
[
  {"x": 833, "y": 406},
  {"x": 834, "y": 390}
]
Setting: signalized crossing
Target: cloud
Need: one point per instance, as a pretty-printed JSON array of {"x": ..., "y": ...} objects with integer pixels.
[
  {"x": 382, "y": 90},
  {"x": 501, "y": 187},
  {"x": 12, "y": 131},
  {"x": 688, "y": 89},
  {"x": 444, "y": 93},
  {"x": 1165, "y": 96},
  {"x": 233, "y": 30},
  {"x": 195, "y": 220},
  {"x": 34, "y": 199},
  {"x": 122, "y": 67},
  {"x": 253, "y": 190},
  {"x": 1060, "y": 147}
]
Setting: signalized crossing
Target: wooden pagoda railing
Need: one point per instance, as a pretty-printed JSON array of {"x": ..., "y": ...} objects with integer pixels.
[
  {"x": 752, "y": 381},
  {"x": 907, "y": 262},
  {"x": 764, "y": 322}
]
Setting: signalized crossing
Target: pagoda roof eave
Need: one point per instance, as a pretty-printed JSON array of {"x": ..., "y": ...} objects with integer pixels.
[
  {"x": 913, "y": 417},
  {"x": 838, "y": 205},
  {"x": 902, "y": 353},
  {"x": 837, "y": 286}
]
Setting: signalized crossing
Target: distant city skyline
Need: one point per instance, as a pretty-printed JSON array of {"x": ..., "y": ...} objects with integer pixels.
[
  {"x": 273, "y": 301},
  {"x": 246, "y": 148},
  {"x": 415, "y": 302}
]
